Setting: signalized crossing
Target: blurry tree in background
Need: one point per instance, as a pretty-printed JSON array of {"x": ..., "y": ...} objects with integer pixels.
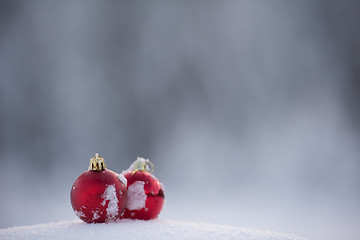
[{"x": 254, "y": 103}]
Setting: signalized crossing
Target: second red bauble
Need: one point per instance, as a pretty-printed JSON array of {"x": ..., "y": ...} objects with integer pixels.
[{"x": 145, "y": 192}]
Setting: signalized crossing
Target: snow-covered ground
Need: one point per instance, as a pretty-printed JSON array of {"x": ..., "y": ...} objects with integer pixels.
[{"x": 136, "y": 229}]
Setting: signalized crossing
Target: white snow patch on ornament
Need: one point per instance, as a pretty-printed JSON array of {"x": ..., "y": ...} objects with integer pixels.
[
  {"x": 79, "y": 213},
  {"x": 110, "y": 195},
  {"x": 122, "y": 179},
  {"x": 95, "y": 215},
  {"x": 136, "y": 196}
]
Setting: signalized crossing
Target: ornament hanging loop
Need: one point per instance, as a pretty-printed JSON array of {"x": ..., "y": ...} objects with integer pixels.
[{"x": 150, "y": 166}]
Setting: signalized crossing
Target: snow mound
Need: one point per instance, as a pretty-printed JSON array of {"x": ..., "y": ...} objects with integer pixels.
[{"x": 137, "y": 229}]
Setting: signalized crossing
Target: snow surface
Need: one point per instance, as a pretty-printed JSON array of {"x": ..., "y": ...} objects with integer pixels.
[
  {"x": 137, "y": 229},
  {"x": 136, "y": 196}
]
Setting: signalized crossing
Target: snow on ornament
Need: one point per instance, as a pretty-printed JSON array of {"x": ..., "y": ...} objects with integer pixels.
[
  {"x": 145, "y": 192},
  {"x": 99, "y": 195}
]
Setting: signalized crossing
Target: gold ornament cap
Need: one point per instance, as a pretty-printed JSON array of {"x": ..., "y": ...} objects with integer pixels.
[{"x": 97, "y": 163}]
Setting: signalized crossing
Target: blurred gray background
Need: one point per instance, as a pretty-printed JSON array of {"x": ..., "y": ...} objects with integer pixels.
[{"x": 249, "y": 109}]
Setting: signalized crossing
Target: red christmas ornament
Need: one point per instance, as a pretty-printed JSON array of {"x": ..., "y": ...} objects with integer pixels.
[
  {"x": 99, "y": 195},
  {"x": 145, "y": 192}
]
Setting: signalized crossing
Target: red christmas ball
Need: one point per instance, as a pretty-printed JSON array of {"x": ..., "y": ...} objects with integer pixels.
[
  {"x": 99, "y": 195},
  {"x": 145, "y": 192}
]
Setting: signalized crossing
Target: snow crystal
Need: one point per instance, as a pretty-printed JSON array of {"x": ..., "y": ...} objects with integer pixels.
[
  {"x": 95, "y": 215},
  {"x": 79, "y": 213},
  {"x": 109, "y": 195},
  {"x": 122, "y": 179},
  {"x": 129, "y": 229},
  {"x": 136, "y": 196}
]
